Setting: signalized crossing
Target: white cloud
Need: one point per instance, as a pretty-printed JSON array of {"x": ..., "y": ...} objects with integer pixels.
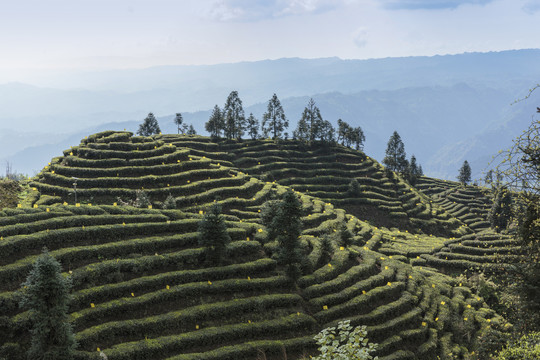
[
  {"x": 254, "y": 10},
  {"x": 429, "y": 4}
]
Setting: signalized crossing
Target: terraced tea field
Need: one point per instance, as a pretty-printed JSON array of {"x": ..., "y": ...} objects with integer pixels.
[{"x": 142, "y": 289}]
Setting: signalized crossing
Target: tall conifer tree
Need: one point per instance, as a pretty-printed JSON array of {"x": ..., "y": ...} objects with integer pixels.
[
  {"x": 234, "y": 118},
  {"x": 395, "y": 159},
  {"x": 274, "y": 120},
  {"x": 46, "y": 294}
]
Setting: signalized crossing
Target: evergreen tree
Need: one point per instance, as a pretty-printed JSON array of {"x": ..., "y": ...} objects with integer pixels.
[
  {"x": 302, "y": 131},
  {"x": 178, "y": 120},
  {"x": 395, "y": 159},
  {"x": 45, "y": 293},
  {"x": 413, "y": 171},
  {"x": 253, "y": 126},
  {"x": 358, "y": 138},
  {"x": 345, "y": 236},
  {"x": 274, "y": 120},
  {"x": 191, "y": 130},
  {"x": 327, "y": 132},
  {"x": 149, "y": 126},
  {"x": 501, "y": 211},
  {"x": 464, "y": 176},
  {"x": 215, "y": 123},
  {"x": 343, "y": 129},
  {"x": 312, "y": 117},
  {"x": 213, "y": 235},
  {"x": 327, "y": 250},
  {"x": 234, "y": 118},
  {"x": 287, "y": 226}
]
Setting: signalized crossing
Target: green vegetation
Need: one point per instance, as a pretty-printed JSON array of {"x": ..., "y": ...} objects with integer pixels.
[
  {"x": 464, "y": 176},
  {"x": 361, "y": 243},
  {"x": 213, "y": 235},
  {"x": 149, "y": 126},
  {"x": 46, "y": 295},
  {"x": 395, "y": 159},
  {"x": 344, "y": 344}
]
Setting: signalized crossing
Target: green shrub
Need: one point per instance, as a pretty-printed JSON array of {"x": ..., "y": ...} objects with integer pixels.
[
  {"x": 344, "y": 344},
  {"x": 526, "y": 348}
]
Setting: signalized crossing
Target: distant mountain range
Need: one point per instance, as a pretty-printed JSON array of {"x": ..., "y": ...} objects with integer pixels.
[{"x": 446, "y": 108}]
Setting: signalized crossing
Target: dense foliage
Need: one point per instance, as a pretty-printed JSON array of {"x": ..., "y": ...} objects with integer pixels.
[
  {"x": 46, "y": 294},
  {"x": 149, "y": 126}
]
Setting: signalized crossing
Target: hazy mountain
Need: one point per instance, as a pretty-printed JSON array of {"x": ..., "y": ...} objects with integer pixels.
[{"x": 446, "y": 108}]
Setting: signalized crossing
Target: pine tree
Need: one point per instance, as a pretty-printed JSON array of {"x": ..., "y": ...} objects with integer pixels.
[
  {"x": 395, "y": 159},
  {"x": 327, "y": 133},
  {"x": 45, "y": 293},
  {"x": 215, "y": 123},
  {"x": 343, "y": 129},
  {"x": 302, "y": 131},
  {"x": 178, "y": 120},
  {"x": 274, "y": 120},
  {"x": 213, "y": 235},
  {"x": 327, "y": 250},
  {"x": 345, "y": 236},
  {"x": 149, "y": 126},
  {"x": 233, "y": 115},
  {"x": 312, "y": 117},
  {"x": 358, "y": 138},
  {"x": 252, "y": 126},
  {"x": 191, "y": 130},
  {"x": 414, "y": 171},
  {"x": 287, "y": 226},
  {"x": 464, "y": 176},
  {"x": 501, "y": 211}
]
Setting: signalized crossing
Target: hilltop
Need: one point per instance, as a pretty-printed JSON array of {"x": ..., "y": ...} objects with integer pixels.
[{"x": 143, "y": 291}]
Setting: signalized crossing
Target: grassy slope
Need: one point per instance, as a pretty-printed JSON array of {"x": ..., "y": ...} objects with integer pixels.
[{"x": 143, "y": 291}]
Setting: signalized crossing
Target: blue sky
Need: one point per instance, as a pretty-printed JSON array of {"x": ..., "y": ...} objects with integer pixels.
[{"x": 99, "y": 34}]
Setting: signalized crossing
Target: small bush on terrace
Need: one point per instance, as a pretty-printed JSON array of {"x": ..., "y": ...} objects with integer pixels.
[{"x": 345, "y": 344}]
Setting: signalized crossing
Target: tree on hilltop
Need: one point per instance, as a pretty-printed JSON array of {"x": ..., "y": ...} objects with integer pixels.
[
  {"x": 302, "y": 131},
  {"x": 149, "y": 126},
  {"x": 252, "y": 126},
  {"x": 348, "y": 136},
  {"x": 464, "y": 176},
  {"x": 215, "y": 123},
  {"x": 178, "y": 120},
  {"x": 414, "y": 171},
  {"x": 395, "y": 159},
  {"x": 312, "y": 117},
  {"x": 234, "y": 118},
  {"x": 191, "y": 130},
  {"x": 274, "y": 120},
  {"x": 46, "y": 294}
]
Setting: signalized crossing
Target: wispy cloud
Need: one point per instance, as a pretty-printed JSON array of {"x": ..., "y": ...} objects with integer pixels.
[
  {"x": 254, "y": 10},
  {"x": 429, "y": 4}
]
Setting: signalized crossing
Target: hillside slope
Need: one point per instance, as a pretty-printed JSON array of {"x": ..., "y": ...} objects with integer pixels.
[{"x": 143, "y": 291}]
